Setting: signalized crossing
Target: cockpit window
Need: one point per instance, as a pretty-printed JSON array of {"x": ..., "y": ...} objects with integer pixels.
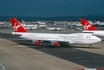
[{"x": 92, "y": 35}]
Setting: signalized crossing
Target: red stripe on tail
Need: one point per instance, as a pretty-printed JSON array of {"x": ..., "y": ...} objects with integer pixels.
[
  {"x": 17, "y": 27},
  {"x": 86, "y": 25}
]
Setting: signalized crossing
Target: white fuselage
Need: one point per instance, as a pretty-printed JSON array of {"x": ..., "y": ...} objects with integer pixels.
[
  {"x": 30, "y": 26},
  {"x": 51, "y": 29},
  {"x": 75, "y": 38},
  {"x": 55, "y": 29},
  {"x": 95, "y": 32}
]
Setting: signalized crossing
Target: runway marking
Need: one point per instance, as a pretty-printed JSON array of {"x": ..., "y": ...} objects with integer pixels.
[{"x": 2, "y": 67}]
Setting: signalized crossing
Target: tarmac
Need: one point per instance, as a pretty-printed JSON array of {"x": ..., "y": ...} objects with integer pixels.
[{"x": 15, "y": 56}]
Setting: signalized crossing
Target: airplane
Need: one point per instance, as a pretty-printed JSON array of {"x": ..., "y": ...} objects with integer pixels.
[
  {"x": 53, "y": 28},
  {"x": 53, "y": 39},
  {"x": 88, "y": 28},
  {"x": 29, "y": 27}
]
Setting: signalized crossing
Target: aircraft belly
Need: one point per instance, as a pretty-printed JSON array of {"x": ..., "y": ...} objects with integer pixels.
[{"x": 79, "y": 41}]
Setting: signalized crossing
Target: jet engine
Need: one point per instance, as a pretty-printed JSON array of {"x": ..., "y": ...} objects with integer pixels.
[
  {"x": 36, "y": 43},
  {"x": 56, "y": 44}
]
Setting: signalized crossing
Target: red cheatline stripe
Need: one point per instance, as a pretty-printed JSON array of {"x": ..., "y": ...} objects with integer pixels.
[
  {"x": 88, "y": 68},
  {"x": 78, "y": 69},
  {"x": 99, "y": 68},
  {"x": 84, "y": 69}
]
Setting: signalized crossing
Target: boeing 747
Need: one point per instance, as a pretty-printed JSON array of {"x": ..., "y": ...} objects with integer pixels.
[{"x": 53, "y": 39}]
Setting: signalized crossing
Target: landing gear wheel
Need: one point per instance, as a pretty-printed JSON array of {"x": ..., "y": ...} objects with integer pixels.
[{"x": 90, "y": 46}]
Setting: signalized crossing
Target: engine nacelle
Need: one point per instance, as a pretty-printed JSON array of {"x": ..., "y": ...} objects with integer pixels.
[
  {"x": 56, "y": 44},
  {"x": 36, "y": 43}
]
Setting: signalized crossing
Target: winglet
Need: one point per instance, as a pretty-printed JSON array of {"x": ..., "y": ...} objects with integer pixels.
[
  {"x": 86, "y": 25},
  {"x": 17, "y": 27}
]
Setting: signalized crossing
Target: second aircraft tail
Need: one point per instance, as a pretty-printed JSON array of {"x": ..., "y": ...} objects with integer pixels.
[{"x": 86, "y": 25}]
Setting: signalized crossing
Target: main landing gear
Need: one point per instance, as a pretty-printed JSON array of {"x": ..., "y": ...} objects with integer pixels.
[{"x": 90, "y": 46}]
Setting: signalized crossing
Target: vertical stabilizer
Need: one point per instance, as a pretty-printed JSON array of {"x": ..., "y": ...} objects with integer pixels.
[
  {"x": 17, "y": 27},
  {"x": 86, "y": 25}
]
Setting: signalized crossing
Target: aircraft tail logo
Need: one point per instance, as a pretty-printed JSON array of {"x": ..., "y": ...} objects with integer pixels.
[
  {"x": 86, "y": 25},
  {"x": 17, "y": 27}
]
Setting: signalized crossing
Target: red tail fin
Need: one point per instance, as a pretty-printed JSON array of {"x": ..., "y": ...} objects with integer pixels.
[
  {"x": 17, "y": 27},
  {"x": 86, "y": 25}
]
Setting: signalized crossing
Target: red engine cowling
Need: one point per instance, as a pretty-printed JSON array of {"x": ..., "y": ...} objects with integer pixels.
[
  {"x": 36, "y": 43},
  {"x": 56, "y": 44}
]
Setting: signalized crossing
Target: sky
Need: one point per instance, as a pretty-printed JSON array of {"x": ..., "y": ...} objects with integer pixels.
[{"x": 50, "y": 8}]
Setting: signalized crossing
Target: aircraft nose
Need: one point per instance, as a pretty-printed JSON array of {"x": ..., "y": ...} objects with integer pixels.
[{"x": 98, "y": 39}]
